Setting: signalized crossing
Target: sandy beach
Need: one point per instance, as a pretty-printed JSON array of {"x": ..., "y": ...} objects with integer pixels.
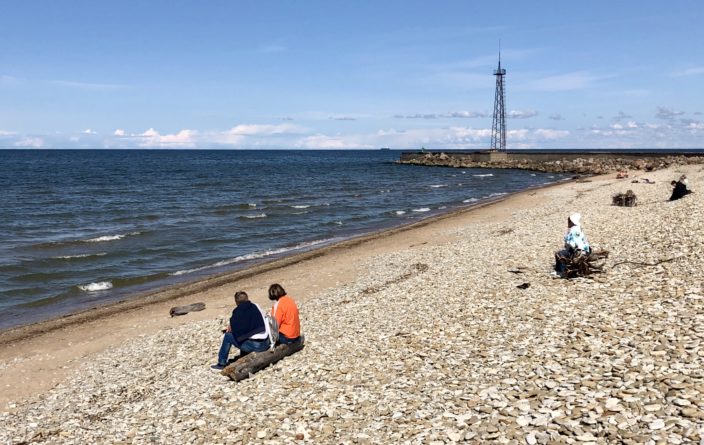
[{"x": 416, "y": 336}]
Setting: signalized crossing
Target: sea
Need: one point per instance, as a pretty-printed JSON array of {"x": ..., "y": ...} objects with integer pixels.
[{"x": 83, "y": 228}]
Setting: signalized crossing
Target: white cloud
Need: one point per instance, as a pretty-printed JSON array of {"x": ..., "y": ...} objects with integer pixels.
[
  {"x": 30, "y": 142},
  {"x": 89, "y": 131},
  {"x": 6, "y": 133},
  {"x": 119, "y": 132},
  {"x": 632, "y": 124},
  {"x": 695, "y": 71},
  {"x": 617, "y": 126},
  {"x": 88, "y": 85},
  {"x": 544, "y": 133},
  {"x": 152, "y": 138},
  {"x": 517, "y": 114},
  {"x": 556, "y": 117},
  {"x": 451, "y": 114},
  {"x": 321, "y": 141},
  {"x": 668, "y": 113},
  {"x": 264, "y": 129}
]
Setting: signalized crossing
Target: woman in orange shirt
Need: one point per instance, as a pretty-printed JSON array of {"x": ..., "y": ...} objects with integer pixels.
[{"x": 285, "y": 312}]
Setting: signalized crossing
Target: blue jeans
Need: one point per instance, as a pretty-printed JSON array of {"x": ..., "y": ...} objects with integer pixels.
[
  {"x": 287, "y": 341},
  {"x": 247, "y": 346}
]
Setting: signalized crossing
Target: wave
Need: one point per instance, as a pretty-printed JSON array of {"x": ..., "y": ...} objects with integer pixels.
[
  {"x": 467, "y": 201},
  {"x": 400, "y": 212},
  {"x": 300, "y": 213},
  {"x": 437, "y": 186},
  {"x": 94, "y": 287},
  {"x": 484, "y": 175},
  {"x": 104, "y": 238},
  {"x": 254, "y": 256},
  {"x": 225, "y": 209},
  {"x": 422, "y": 209},
  {"x": 260, "y": 215},
  {"x": 493, "y": 195},
  {"x": 303, "y": 206},
  {"x": 81, "y": 255}
]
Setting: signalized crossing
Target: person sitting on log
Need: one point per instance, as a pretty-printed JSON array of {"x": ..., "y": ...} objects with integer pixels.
[
  {"x": 285, "y": 312},
  {"x": 679, "y": 189},
  {"x": 246, "y": 331},
  {"x": 575, "y": 243}
]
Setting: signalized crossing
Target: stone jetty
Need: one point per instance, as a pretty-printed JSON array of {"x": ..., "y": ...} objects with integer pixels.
[{"x": 584, "y": 163}]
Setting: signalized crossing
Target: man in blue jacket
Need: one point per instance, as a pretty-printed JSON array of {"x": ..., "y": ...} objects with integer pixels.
[{"x": 246, "y": 330}]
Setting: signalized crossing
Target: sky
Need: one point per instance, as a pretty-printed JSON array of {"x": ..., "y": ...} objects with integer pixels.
[{"x": 355, "y": 74}]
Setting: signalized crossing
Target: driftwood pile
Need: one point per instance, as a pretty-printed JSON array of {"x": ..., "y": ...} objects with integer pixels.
[
  {"x": 627, "y": 199},
  {"x": 256, "y": 361},
  {"x": 580, "y": 264}
]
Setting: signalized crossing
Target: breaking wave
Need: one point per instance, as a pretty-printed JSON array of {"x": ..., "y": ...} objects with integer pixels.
[{"x": 94, "y": 287}]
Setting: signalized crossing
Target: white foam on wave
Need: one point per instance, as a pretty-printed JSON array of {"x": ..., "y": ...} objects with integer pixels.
[
  {"x": 437, "y": 186},
  {"x": 400, "y": 212},
  {"x": 466, "y": 201},
  {"x": 497, "y": 194},
  {"x": 260, "y": 215},
  {"x": 104, "y": 238},
  {"x": 254, "y": 256},
  {"x": 300, "y": 213},
  {"x": 302, "y": 206},
  {"x": 422, "y": 209},
  {"x": 94, "y": 287},
  {"x": 484, "y": 175},
  {"x": 82, "y": 255}
]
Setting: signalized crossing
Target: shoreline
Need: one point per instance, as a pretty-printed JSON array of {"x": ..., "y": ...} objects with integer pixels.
[{"x": 204, "y": 283}]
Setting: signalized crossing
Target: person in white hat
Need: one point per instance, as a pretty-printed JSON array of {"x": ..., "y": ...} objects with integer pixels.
[{"x": 575, "y": 242}]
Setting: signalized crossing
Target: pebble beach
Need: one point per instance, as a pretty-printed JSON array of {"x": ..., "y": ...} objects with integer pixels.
[{"x": 435, "y": 344}]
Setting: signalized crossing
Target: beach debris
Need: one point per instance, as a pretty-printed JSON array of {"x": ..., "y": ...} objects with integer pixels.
[
  {"x": 256, "y": 361},
  {"x": 622, "y": 174},
  {"x": 580, "y": 264},
  {"x": 627, "y": 199},
  {"x": 183, "y": 310},
  {"x": 516, "y": 270},
  {"x": 525, "y": 285}
]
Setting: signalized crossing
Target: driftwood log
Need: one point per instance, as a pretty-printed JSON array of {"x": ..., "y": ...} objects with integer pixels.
[
  {"x": 627, "y": 199},
  {"x": 580, "y": 265},
  {"x": 183, "y": 310},
  {"x": 256, "y": 361}
]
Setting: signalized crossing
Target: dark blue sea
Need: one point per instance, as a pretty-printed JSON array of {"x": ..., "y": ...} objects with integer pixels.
[{"x": 80, "y": 228}]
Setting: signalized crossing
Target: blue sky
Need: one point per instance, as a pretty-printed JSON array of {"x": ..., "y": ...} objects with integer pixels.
[{"x": 362, "y": 74}]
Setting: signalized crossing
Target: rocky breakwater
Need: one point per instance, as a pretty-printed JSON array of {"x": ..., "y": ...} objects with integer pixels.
[
  {"x": 436, "y": 344},
  {"x": 583, "y": 164}
]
